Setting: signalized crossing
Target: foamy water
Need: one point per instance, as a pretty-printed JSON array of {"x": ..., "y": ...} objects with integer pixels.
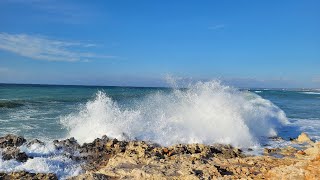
[
  {"x": 204, "y": 113},
  {"x": 312, "y": 93},
  {"x": 46, "y": 159}
]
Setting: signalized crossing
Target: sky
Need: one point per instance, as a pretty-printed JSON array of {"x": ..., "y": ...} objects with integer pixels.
[{"x": 245, "y": 43}]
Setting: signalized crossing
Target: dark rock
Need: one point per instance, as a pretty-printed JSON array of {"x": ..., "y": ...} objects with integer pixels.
[
  {"x": 198, "y": 173},
  {"x": 35, "y": 141},
  {"x": 11, "y": 140},
  {"x": 276, "y": 138},
  {"x": 98, "y": 176},
  {"x": 14, "y": 153},
  {"x": 69, "y": 145},
  {"x": 226, "y": 151},
  {"x": 271, "y": 150}
]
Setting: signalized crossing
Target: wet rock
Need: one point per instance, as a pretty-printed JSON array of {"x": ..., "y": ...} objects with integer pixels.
[
  {"x": 271, "y": 150},
  {"x": 106, "y": 158},
  {"x": 276, "y": 138},
  {"x": 35, "y": 141},
  {"x": 27, "y": 176},
  {"x": 11, "y": 140},
  {"x": 69, "y": 145},
  {"x": 14, "y": 153}
]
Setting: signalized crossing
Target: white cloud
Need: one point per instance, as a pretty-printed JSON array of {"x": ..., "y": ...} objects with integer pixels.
[
  {"x": 218, "y": 26},
  {"x": 43, "y": 48}
]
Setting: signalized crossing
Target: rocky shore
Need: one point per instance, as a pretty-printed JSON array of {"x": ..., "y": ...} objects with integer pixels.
[{"x": 107, "y": 158}]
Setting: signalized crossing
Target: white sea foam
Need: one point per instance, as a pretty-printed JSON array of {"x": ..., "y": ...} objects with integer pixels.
[
  {"x": 310, "y": 92},
  {"x": 206, "y": 112},
  {"x": 310, "y": 126},
  {"x": 46, "y": 159}
]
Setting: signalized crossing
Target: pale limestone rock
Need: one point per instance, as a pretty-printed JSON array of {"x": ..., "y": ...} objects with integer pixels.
[{"x": 304, "y": 138}]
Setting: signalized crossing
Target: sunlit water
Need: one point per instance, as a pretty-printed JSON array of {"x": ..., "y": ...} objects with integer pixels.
[{"x": 202, "y": 113}]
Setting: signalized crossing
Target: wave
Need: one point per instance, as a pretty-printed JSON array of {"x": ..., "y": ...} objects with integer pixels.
[
  {"x": 206, "y": 112},
  {"x": 10, "y": 104},
  {"x": 311, "y": 92}
]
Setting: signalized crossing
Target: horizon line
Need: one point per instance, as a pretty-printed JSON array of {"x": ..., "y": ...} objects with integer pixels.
[{"x": 167, "y": 87}]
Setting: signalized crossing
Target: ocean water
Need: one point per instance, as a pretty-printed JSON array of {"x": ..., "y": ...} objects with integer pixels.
[{"x": 204, "y": 112}]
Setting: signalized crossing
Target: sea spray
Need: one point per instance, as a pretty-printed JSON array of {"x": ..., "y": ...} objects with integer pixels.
[
  {"x": 206, "y": 112},
  {"x": 45, "y": 159}
]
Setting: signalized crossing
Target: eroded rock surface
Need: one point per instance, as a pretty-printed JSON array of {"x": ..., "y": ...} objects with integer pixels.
[
  {"x": 141, "y": 160},
  {"x": 26, "y": 175},
  {"x": 9, "y": 153},
  {"x": 11, "y": 141},
  {"x": 106, "y": 158}
]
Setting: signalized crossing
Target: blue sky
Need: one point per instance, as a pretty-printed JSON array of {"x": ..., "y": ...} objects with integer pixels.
[{"x": 247, "y": 43}]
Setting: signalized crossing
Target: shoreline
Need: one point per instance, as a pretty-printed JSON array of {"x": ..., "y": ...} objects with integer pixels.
[{"x": 106, "y": 158}]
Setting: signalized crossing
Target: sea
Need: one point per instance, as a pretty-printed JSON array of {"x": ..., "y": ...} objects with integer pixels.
[{"x": 201, "y": 112}]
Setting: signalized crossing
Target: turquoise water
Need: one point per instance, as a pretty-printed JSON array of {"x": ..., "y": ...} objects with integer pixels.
[
  {"x": 205, "y": 112},
  {"x": 35, "y": 111}
]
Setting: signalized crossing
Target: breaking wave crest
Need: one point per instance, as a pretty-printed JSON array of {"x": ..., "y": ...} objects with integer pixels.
[{"x": 206, "y": 112}]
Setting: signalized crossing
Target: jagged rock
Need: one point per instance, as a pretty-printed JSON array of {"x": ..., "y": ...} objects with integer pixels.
[
  {"x": 35, "y": 141},
  {"x": 276, "y": 138},
  {"x": 11, "y": 140},
  {"x": 304, "y": 138},
  {"x": 68, "y": 145},
  {"x": 106, "y": 158},
  {"x": 314, "y": 150},
  {"x": 14, "y": 153},
  {"x": 27, "y": 176}
]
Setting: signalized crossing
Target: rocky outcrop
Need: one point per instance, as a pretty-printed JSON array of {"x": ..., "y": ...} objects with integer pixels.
[
  {"x": 14, "y": 153},
  {"x": 27, "y": 175},
  {"x": 35, "y": 141},
  {"x": 141, "y": 160},
  {"x": 106, "y": 158},
  {"x": 11, "y": 141},
  {"x": 304, "y": 138},
  {"x": 9, "y": 148}
]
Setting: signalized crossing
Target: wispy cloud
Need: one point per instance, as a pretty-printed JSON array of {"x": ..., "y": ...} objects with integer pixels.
[
  {"x": 218, "y": 26},
  {"x": 53, "y": 11},
  {"x": 43, "y": 48}
]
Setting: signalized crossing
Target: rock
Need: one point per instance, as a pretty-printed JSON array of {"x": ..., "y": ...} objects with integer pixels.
[
  {"x": 301, "y": 152},
  {"x": 314, "y": 150},
  {"x": 35, "y": 141},
  {"x": 106, "y": 158},
  {"x": 27, "y": 176},
  {"x": 11, "y": 141},
  {"x": 14, "y": 153},
  {"x": 304, "y": 138},
  {"x": 92, "y": 176},
  {"x": 276, "y": 138},
  {"x": 69, "y": 145},
  {"x": 270, "y": 150}
]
